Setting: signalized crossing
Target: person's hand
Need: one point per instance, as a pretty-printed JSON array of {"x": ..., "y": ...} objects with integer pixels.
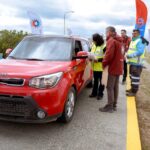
[
  {"x": 125, "y": 56},
  {"x": 128, "y": 56}
]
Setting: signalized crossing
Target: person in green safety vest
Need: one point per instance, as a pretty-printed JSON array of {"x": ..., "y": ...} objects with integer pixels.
[
  {"x": 98, "y": 50},
  {"x": 135, "y": 58}
]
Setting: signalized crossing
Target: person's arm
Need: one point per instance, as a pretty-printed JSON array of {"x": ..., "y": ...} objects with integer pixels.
[
  {"x": 109, "y": 54},
  {"x": 145, "y": 41},
  {"x": 104, "y": 50},
  {"x": 128, "y": 43},
  {"x": 140, "y": 50}
]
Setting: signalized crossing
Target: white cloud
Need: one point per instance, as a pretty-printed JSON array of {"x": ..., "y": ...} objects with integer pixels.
[
  {"x": 8, "y": 21},
  {"x": 90, "y": 15},
  {"x": 90, "y": 8},
  {"x": 7, "y": 10}
]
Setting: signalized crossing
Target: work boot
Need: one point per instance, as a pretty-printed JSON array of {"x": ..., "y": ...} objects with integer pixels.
[
  {"x": 131, "y": 94},
  {"x": 107, "y": 108}
]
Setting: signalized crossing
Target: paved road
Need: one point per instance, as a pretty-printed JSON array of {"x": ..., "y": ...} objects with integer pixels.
[{"x": 89, "y": 130}]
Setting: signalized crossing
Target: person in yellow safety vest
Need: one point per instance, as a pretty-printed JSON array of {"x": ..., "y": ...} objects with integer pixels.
[
  {"x": 135, "y": 58},
  {"x": 98, "y": 50}
]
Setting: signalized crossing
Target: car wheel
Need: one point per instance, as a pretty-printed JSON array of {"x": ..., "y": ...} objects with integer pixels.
[{"x": 69, "y": 107}]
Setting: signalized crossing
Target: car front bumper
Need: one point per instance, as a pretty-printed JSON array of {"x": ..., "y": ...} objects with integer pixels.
[{"x": 22, "y": 109}]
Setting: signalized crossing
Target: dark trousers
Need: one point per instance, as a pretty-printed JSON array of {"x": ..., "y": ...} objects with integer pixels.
[
  {"x": 98, "y": 88},
  {"x": 113, "y": 90},
  {"x": 125, "y": 71},
  {"x": 135, "y": 73}
]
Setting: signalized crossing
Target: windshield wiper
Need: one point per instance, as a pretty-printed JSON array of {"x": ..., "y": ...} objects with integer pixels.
[
  {"x": 33, "y": 59},
  {"x": 12, "y": 57}
]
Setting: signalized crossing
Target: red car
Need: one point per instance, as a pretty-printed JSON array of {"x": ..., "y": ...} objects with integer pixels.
[{"x": 41, "y": 78}]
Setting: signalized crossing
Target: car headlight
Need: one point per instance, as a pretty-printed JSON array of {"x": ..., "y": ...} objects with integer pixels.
[{"x": 46, "y": 81}]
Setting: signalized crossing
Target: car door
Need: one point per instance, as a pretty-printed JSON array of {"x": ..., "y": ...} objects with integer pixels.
[
  {"x": 88, "y": 68},
  {"x": 78, "y": 66}
]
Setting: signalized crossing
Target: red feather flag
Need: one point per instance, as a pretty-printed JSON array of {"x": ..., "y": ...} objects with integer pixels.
[{"x": 141, "y": 16}]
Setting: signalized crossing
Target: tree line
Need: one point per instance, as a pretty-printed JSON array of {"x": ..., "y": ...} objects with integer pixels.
[{"x": 10, "y": 38}]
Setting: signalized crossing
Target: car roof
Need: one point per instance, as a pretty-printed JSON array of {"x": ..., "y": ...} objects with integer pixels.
[{"x": 57, "y": 36}]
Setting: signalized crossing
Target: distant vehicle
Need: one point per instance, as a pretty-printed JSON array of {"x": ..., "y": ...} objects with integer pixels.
[{"x": 41, "y": 78}]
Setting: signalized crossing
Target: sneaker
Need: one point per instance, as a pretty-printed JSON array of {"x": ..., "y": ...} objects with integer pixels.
[
  {"x": 131, "y": 94},
  {"x": 114, "y": 108},
  {"x": 99, "y": 97},
  {"x": 107, "y": 108}
]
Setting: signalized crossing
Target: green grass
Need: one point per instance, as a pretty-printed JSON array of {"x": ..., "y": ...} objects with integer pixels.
[
  {"x": 143, "y": 108},
  {"x": 147, "y": 57}
]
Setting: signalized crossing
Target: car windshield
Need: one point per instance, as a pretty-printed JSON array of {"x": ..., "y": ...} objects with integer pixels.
[{"x": 45, "y": 48}]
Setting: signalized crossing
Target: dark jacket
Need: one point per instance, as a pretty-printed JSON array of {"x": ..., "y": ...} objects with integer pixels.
[{"x": 113, "y": 56}]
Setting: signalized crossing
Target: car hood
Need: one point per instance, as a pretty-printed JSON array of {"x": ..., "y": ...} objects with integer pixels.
[{"x": 25, "y": 68}]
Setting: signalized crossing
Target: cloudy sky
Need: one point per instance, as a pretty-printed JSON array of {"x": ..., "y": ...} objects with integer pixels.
[{"x": 89, "y": 16}]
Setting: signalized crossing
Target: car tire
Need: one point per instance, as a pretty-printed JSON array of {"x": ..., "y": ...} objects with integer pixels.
[{"x": 69, "y": 107}]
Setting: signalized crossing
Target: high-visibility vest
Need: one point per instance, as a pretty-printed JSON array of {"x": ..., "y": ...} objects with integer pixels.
[
  {"x": 99, "y": 53},
  {"x": 133, "y": 49}
]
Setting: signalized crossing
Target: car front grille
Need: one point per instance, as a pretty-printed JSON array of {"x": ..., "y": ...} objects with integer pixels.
[
  {"x": 16, "y": 106},
  {"x": 12, "y": 82},
  {"x": 13, "y": 108}
]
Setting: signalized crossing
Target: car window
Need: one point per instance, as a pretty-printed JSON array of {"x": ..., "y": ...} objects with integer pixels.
[
  {"x": 78, "y": 46},
  {"x": 49, "y": 48},
  {"x": 86, "y": 46}
]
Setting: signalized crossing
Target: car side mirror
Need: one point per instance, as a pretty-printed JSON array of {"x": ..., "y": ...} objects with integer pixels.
[{"x": 81, "y": 55}]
